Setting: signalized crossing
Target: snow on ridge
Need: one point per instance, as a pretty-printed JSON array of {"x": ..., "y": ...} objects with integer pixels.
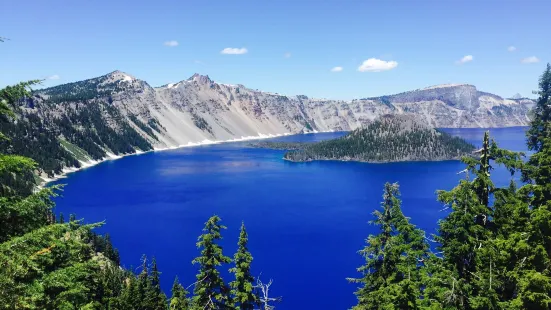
[
  {"x": 443, "y": 86},
  {"x": 127, "y": 78}
]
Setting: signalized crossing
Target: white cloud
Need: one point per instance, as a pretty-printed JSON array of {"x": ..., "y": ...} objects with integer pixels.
[
  {"x": 377, "y": 65},
  {"x": 465, "y": 59},
  {"x": 511, "y": 48},
  {"x": 234, "y": 51},
  {"x": 530, "y": 60},
  {"x": 336, "y": 69},
  {"x": 171, "y": 43},
  {"x": 287, "y": 55},
  {"x": 53, "y": 77}
]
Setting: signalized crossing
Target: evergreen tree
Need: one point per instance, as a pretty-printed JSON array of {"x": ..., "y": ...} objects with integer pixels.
[
  {"x": 243, "y": 291},
  {"x": 531, "y": 272},
  {"x": 155, "y": 298},
  {"x": 179, "y": 300},
  {"x": 210, "y": 290},
  {"x": 540, "y": 126},
  {"x": 392, "y": 275},
  {"x": 130, "y": 298},
  {"x": 144, "y": 283},
  {"x": 468, "y": 274},
  {"x": 16, "y": 172}
]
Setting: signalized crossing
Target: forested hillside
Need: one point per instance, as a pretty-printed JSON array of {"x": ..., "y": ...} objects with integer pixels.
[
  {"x": 388, "y": 139},
  {"x": 69, "y": 124}
]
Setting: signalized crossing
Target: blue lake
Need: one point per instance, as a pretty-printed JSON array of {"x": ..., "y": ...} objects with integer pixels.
[{"x": 306, "y": 221}]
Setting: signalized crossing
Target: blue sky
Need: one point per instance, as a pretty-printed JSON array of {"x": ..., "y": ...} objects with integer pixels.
[{"x": 291, "y": 45}]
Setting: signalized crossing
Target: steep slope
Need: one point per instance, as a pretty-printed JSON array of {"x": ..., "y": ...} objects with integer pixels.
[
  {"x": 81, "y": 123},
  {"x": 460, "y": 106},
  {"x": 390, "y": 138}
]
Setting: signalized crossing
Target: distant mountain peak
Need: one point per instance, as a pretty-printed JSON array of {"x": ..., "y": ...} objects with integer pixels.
[
  {"x": 201, "y": 79},
  {"x": 118, "y": 75},
  {"x": 517, "y": 96}
]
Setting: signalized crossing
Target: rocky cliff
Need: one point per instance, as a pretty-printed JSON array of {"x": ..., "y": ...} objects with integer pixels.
[{"x": 118, "y": 114}]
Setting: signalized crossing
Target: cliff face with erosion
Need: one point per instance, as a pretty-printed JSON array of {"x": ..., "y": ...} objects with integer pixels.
[{"x": 118, "y": 113}]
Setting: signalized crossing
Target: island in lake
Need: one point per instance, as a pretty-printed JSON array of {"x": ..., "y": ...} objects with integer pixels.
[{"x": 390, "y": 138}]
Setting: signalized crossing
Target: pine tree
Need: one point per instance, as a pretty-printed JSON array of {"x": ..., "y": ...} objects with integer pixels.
[
  {"x": 540, "y": 126},
  {"x": 468, "y": 275},
  {"x": 392, "y": 275},
  {"x": 143, "y": 283},
  {"x": 179, "y": 299},
  {"x": 109, "y": 250},
  {"x": 130, "y": 299},
  {"x": 210, "y": 290},
  {"x": 243, "y": 291},
  {"x": 16, "y": 172},
  {"x": 155, "y": 298},
  {"x": 531, "y": 273}
]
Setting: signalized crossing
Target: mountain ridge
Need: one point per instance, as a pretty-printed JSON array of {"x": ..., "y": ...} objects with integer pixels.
[{"x": 117, "y": 114}]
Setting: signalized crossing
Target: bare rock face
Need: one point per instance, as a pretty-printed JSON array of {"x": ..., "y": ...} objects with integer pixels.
[
  {"x": 199, "y": 109},
  {"x": 460, "y": 106}
]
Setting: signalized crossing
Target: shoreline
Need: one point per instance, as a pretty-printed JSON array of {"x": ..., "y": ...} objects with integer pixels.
[
  {"x": 111, "y": 156},
  {"x": 370, "y": 162}
]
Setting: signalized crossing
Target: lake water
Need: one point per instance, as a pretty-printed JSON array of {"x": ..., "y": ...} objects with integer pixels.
[{"x": 306, "y": 221}]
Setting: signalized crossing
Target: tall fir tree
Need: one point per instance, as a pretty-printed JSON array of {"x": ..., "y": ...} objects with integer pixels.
[
  {"x": 210, "y": 290},
  {"x": 393, "y": 274},
  {"x": 179, "y": 299},
  {"x": 467, "y": 277},
  {"x": 155, "y": 298},
  {"x": 143, "y": 283},
  {"x": 242, "y": 288},
  {"x": 533, "y": 275}
]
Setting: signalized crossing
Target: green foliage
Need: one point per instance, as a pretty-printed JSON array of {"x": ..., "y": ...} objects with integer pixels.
[
  {"x": 16, "y": 172},
  {"x": 541, "y": 123},
  {"x": 388, "y": 139},
  {"x": 392, "y": 277},
  {"x": 468, "y": 276},
  {"x": 179, "y": 299},
  {"x": 20, "y": 216},
  {"x": 51, "y": 267},
  {"x": 210, "y": 290},
  {"x": 242, "y": 288},
  {"x": 44, "y": 264},
  {"x": 16, "y": 175}
]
